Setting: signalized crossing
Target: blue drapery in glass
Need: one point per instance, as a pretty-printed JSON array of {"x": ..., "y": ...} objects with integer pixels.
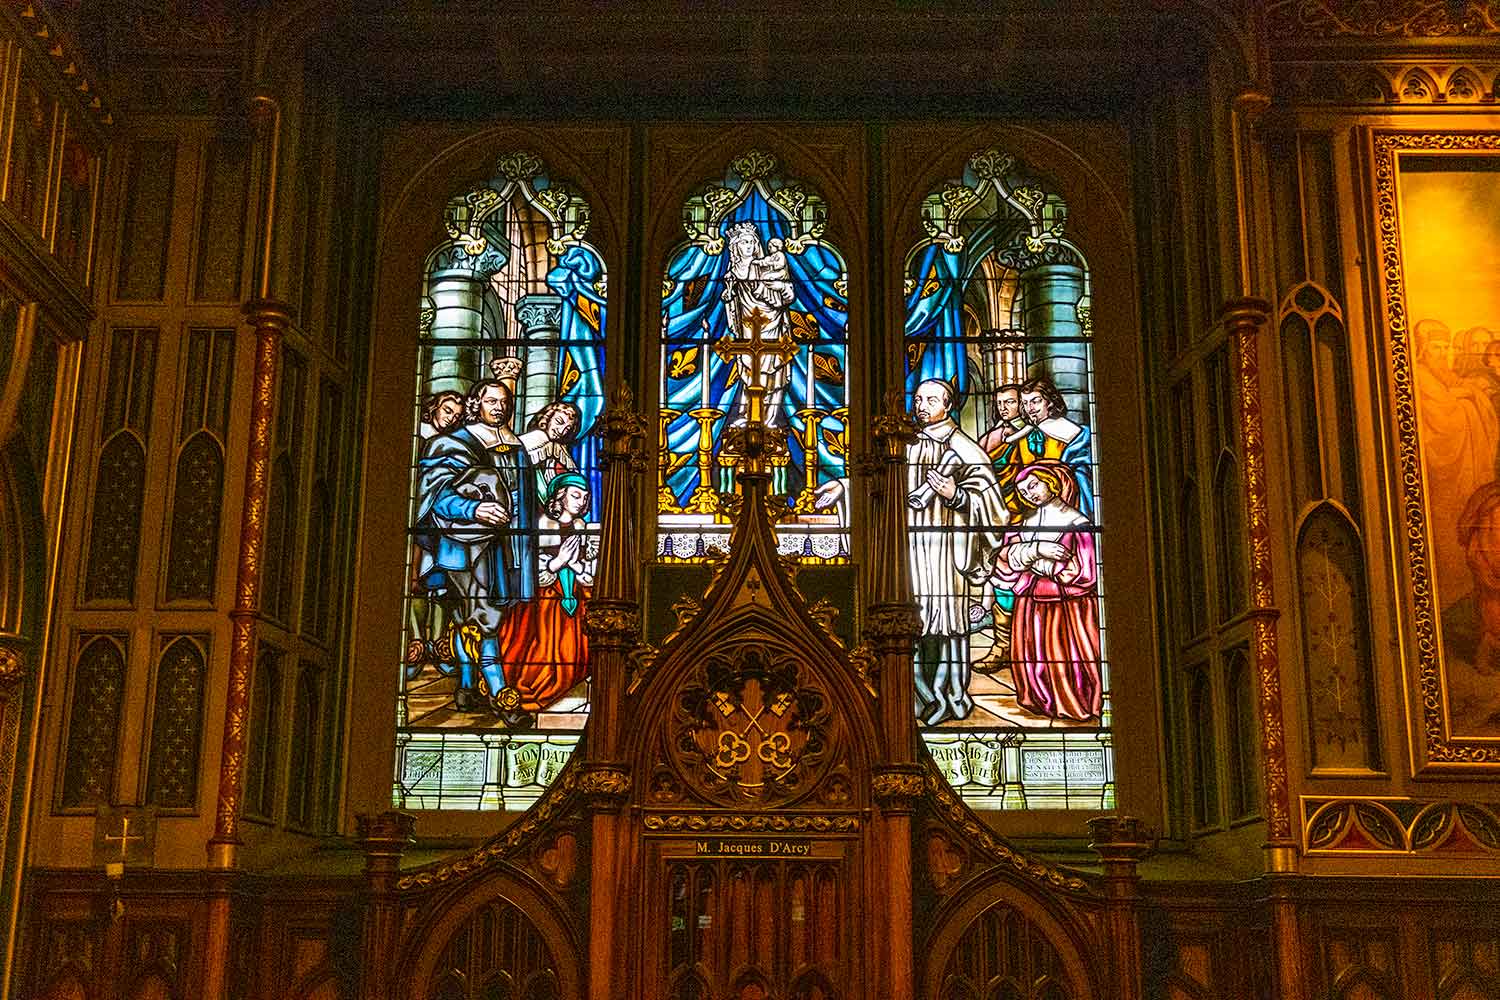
[
  {"x": 934, "y": 321},
  {"x": 582, "y": 351},
  {"x": 697, "y": 283}
]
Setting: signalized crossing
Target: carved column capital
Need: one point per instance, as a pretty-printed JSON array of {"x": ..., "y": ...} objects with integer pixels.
[
  {"x": 384, "y": 837},
  {"x": 605, "y": 786},
  {"x": 1239, "y": 313},
  {"x": 273, "y": 313},
  {"x": 894, "y": 429},
  {"x": 893, "y": 627},
  {"x": 898, "y": 789},
  {"x": 623, "y": 428},
  {"x": 612, "y": 624},
  {"x": 1120, "y": 840}
]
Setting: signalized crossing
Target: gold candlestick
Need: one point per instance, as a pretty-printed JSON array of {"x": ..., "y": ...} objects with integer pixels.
[
  {"x": 666, "y": 500},
  {"x": 705, "y": 499},
  {"x": 812, "y": 420}
]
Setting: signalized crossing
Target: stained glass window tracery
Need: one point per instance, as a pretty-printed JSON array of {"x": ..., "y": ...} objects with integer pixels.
[
  {"x": 493, "y": 688},
  {"x": 754, "y": 266},
  {"x": 1003, "y": 500}
]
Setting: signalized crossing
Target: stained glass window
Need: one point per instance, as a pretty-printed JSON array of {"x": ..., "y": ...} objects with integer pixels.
[
  {"x": 754, "y": 266},
  {"x": 1004, "y": 502},
  {"x": 493, "y": 686}
]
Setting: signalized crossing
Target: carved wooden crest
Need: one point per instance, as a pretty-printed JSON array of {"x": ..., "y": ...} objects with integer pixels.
[{"x": 751, "y": 729}]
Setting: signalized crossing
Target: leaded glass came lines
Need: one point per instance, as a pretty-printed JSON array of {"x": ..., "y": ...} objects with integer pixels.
[
  {"x": 506, "y": 491},
  {"x": 1003, "y": 495}
]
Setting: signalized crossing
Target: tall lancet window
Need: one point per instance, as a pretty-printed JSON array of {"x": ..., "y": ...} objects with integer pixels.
[
  {"x": 754, "y": 266},
  {"x": 1003, "y": 495},
  {"x": 493, "y": 686}
]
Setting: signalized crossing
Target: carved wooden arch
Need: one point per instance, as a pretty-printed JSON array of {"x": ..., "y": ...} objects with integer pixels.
[
  {"x": 1066, "y": 933},
  {"x": 752, "y": 604},
  {"x": 443, "y": 913}
]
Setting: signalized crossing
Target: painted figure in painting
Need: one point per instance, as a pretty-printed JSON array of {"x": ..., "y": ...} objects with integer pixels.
[
  {"x": 476, "y": 496},
  {"x": 955, "y": 509},
  {"x": 1459, "y": 437},
  {"x": 1048, "y": 562},
  {"x": 542, "y": 640},
  {"x": 757, "y": 294}
]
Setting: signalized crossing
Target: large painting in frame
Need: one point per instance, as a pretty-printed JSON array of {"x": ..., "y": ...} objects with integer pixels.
[{"x": 1438, "y": 199}]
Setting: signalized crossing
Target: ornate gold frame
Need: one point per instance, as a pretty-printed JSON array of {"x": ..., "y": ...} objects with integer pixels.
[{"x": 1438, "y": 748}]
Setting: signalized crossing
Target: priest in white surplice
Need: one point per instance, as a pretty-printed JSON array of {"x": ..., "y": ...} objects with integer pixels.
[
  {"x": 956, "y": 513},
  {"x": 956, "y": 517}
]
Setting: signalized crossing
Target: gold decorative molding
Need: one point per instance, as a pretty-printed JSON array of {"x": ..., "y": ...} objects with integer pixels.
[
  {"x": 750, "y": 823},
  {"x": 612, "y": 624},
  {"x": 1376, "y": 825},
  {"x": 897, "y": 789},
  {"x": 1439, "y": 747},
  {"x": 606, "y": 785},
  {"x": 555, "y": 802},
  {"x": 952, "y": 809},
  {"x": 1300, "y": 20}
]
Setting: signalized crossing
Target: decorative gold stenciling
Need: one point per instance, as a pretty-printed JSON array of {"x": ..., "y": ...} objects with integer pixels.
[
  {"x": 1243, "y": 319},
  {"x": 1439, "y": 747},
  {"x": 1399, "y": 826}
]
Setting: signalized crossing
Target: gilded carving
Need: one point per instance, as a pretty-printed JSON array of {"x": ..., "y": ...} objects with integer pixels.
[
  {"x": 1440, "y": 748},
  {"x": 1389, "y": 83},
  {"x": 898, "y": 789},
  {"x": 12, "y": 666},
  {"x": 962, "y": 821},
  {"x": 750, "y": 823},
  {"x": 750, "y": 728},
  {"x": 1299, "y": 20},
  {"x": 892, "y": 628},
  {"x": 605, "y": 784},
  {"x": 613, "y": 624},
  {"x": 555, "y": 803}
]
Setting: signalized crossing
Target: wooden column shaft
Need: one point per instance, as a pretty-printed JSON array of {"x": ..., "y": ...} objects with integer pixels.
[
  {"x": 270, "y": 320},
  {"x": 1243, "y": 319}
]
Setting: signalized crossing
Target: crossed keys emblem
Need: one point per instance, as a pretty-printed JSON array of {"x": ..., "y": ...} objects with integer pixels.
[{"x": 755, "y": 739}]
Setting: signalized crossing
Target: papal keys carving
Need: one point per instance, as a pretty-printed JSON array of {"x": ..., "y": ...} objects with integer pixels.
[{"x": 750, "y": 728}]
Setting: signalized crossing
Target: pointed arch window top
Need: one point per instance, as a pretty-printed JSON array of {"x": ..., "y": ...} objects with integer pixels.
[{"x": 709, "y": 213}]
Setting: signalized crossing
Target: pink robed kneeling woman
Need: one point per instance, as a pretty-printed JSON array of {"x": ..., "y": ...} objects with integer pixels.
[{"x": 1049, "y": 562}]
